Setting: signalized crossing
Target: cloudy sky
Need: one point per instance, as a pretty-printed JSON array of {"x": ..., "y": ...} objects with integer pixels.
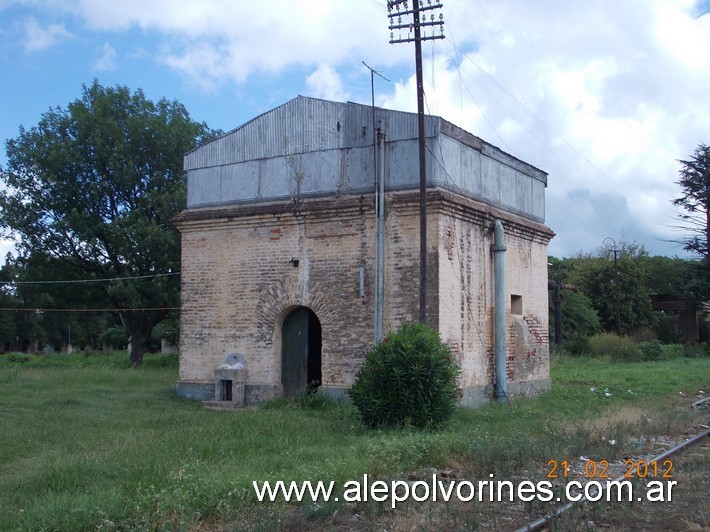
[{"x": 604, "y": 95}]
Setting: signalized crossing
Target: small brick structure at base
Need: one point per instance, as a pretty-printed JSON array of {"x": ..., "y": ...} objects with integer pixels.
[{"x": 229, "y": 383}]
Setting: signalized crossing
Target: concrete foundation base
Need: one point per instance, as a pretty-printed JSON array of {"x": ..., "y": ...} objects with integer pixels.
[
  {"x": 476, "y": 396},
  {"x": 196, "y": 391},
  {"x": 335, "y": 392},
  {"x": 521, "y": 388},
  {"x": 221, "y": 405},
  {"x": 255, "y": 394}
]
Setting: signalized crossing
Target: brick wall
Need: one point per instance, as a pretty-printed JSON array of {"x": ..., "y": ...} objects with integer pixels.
[
  {"x": 238, "y": 284},
  {"x": 467, "y": 282}
]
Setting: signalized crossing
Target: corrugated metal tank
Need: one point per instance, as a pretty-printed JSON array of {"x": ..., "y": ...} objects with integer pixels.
[{"x": 312, "y": 147}]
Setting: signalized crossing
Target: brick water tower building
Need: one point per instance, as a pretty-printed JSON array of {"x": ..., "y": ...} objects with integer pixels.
[{"x": 281, "y": 262}]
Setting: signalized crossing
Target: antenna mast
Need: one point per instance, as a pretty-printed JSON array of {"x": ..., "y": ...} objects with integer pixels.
[{"x": 377, "y": 137}]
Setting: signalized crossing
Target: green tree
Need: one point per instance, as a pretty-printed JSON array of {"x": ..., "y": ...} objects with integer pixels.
[
  {"x": 695, "y": 200},
  {"x": 46, "y": 296},
  {"x": 8, "y": 302},
  {"x": 667, "y": 276},
  {"x": 579, "y": 318},
  {"x": 597, "y": 275},
  {"x": 95, "y": 186}
]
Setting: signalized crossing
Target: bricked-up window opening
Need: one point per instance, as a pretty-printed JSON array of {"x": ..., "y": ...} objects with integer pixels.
[
  {"x": 226, "y": 392},
  {"x": 516, "y": 305},
  {"x": 301, "y": 352}
]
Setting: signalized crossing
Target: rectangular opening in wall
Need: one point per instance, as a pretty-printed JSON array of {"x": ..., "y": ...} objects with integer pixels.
[
  {"x": 226, "y": 392},
  {"x": 516, "y": 304}
]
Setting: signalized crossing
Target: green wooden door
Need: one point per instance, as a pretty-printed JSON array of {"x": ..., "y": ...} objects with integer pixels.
[
  {"x": 294, "y": 362},
  {"x": 300, "y": 352}
]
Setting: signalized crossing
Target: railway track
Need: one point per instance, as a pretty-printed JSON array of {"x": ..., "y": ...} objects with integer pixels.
[{"x": 700, "y": 438}]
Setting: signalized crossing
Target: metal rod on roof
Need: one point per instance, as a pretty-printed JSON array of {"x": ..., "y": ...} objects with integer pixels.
[
  {"x": 378, "y": 207},
  {"x": 379, "y": 173}
]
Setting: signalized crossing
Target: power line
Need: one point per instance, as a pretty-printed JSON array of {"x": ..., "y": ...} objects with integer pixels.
[
  {"x": 147, "y": 309},
  {"x": 105, "y": 280},
  {"x": 462, "y": 85},
  {"x": 588, "y": 166},
  {"x": 530, "y": 132},
  {"x": 575, "y": 152}
]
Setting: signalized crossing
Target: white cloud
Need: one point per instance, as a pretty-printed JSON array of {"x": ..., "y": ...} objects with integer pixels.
[
  {"x": 616, "y": 94},
  {"x": 37, "y": 37},
  {"x": 107, "y": 59},
  {"x": 216, "y": 41},
  {"x": 326, "y": 83},
  {"x": 604, "y": 95},
  {"x": 686, "y": 39}
]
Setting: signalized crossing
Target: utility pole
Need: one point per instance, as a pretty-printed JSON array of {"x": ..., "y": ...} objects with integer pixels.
[
  {"x": 396, "y": 10},
  {"x": 617, "y": 318}
]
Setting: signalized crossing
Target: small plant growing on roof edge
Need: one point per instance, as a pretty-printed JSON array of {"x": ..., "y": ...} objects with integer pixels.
[{"x": 408, "y": 379}]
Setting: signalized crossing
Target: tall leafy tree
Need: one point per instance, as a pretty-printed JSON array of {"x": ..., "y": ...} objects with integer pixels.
[
  {"x": 695, "y": 200},
  {"x": 8, "y": 304},
  {"x": 597, "y": 276},
  {"x": 579, "y": 317},
  {"x": 95, "y": 186}
]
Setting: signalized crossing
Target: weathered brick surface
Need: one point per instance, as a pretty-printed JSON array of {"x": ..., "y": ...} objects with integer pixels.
[
  {"x": 466, "y": 286},
  {"x": 238, "y": 285}
]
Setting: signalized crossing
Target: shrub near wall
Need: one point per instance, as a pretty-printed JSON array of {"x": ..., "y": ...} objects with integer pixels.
[{"x": 408, "y": 379}]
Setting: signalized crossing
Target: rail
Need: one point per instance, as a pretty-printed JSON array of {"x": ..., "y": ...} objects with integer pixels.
[{"x": 539, "y": 523}]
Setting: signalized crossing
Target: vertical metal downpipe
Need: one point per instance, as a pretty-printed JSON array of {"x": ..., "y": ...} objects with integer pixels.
[
  {"x": 380, "y": 238},
  {"x": 501, "y": 385}
]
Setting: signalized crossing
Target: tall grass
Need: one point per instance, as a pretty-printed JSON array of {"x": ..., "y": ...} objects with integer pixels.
[{"x": 89, "y": 443}]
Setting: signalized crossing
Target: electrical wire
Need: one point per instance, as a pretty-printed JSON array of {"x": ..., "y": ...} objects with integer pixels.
[
  {"x": 146, "y": 309},
  {"x": 462, "y": 85},
  {"x": 527, "y": 110},
  {"x": 77, "y": 281},
  {"x": 574, "y": 151}
]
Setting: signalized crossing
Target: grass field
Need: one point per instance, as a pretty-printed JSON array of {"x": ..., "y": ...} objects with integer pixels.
[{"x": 91, "y": 444}]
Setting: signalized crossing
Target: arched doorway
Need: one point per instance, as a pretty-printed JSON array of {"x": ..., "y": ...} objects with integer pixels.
[{"x": 300, "y": 352}]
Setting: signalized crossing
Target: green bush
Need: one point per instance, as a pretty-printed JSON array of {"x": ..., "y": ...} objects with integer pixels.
[
  {"x": 19, "y": 357},
  {"x": 696, "y": 351},
  {"x": 408, "y": 379},
  {"x": 577, "y": 345},
  {"x": 672, "y": 351},
  {"x": 617, "y": 348},
  {"x": 651, "y": 350}
]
